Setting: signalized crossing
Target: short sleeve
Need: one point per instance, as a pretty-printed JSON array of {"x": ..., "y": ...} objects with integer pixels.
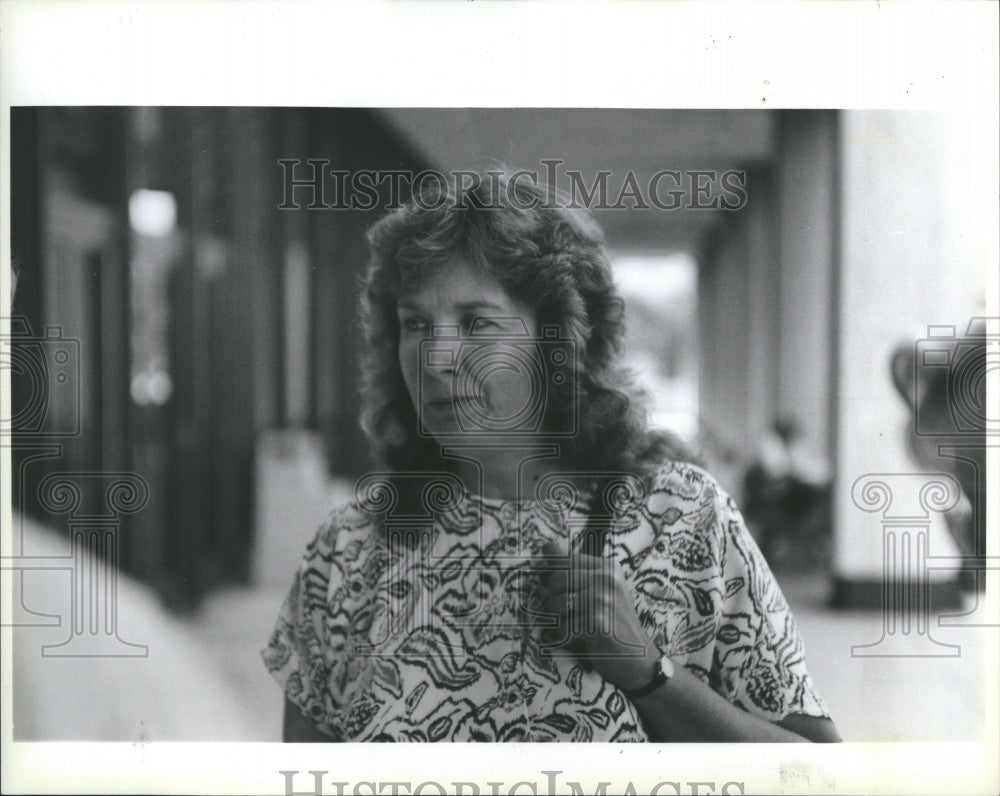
[
  {"x": 309, "y": 650},
  {"x": 759, "y": 658},
  {"x": 708, "y": 598}
]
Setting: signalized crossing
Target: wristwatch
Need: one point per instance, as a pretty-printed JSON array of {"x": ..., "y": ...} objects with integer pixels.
[{"x": 663, "y": 671}]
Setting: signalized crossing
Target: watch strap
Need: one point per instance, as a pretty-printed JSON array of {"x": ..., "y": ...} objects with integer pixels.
[{"x": 660, "y": 677}]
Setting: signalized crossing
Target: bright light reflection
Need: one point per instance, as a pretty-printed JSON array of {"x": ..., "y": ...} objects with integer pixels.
[
  {"x": 660, "y": 293},
  {"x": 656, "y": 277},
  {"x": 152, "y": 213}
]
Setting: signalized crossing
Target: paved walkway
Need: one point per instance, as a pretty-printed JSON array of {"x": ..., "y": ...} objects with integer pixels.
[
  {"x": 914, "y": 698},
  {"x": 201, "y": 679}
]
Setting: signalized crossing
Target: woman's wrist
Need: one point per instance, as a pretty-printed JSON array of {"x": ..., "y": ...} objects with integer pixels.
[
  {"x": 687, "y": 709},
  {"x": 658, "y": 674},
  {"x": 637, "y": 672}
]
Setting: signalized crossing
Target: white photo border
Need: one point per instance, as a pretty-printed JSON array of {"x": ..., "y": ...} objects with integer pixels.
[{"x": 892, "y": 55}]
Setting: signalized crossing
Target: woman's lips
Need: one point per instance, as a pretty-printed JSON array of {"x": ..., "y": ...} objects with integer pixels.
[{"x": 447, "y": 403}]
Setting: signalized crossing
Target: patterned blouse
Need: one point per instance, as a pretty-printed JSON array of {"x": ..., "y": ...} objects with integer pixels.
[{"x": 438, "y": 641}]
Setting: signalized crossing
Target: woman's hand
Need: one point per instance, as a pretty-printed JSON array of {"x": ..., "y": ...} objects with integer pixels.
[
  {"x": 599, "y": 624},
  {"x": 598, "y": 621}
]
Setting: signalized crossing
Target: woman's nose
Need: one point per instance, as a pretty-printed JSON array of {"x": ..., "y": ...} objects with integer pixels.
[{"x": 441, "y": 351}]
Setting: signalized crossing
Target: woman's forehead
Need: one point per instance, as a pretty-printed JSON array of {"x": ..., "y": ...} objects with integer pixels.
[{"x": 457, "y": 282}]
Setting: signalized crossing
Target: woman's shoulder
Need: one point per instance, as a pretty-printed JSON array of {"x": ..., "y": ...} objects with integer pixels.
[
  {"x": 682, "y": 482},
  {"x": 347, "y": 528},
  {"x": 685, "y": 504}
]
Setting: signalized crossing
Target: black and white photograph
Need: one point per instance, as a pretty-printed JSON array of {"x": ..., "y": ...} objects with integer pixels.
[{"x": 662, "y": 431}]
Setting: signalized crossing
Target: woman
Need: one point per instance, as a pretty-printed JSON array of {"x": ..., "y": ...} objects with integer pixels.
[{"x": 534, "y": 563}]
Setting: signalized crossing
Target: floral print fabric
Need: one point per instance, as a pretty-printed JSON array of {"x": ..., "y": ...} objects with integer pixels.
[{"x": 442, "y": 643}]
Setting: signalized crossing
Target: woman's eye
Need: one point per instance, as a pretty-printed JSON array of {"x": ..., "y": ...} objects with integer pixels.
[
  {"x": 414, "y": 324},
  {"x": 477, "y": 323}
]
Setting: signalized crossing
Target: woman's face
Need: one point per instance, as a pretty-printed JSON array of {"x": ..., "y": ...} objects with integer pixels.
[{"x": 468, "y": 356}]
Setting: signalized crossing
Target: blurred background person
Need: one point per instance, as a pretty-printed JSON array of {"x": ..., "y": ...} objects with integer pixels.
[{"x": 786, "y": 499}]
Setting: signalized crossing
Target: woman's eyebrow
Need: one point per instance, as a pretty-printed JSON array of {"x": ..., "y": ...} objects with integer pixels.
[
  {"x": 464, "y": 306},
  {"x": 475, "y": 305}
]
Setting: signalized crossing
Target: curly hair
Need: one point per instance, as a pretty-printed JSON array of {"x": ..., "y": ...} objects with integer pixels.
[{"x": 544, "y": 253}]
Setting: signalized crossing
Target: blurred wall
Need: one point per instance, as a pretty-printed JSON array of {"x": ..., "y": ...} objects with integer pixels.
[
  {"x": 918, "y": 199},
  {"x": 235, "y": 317}
]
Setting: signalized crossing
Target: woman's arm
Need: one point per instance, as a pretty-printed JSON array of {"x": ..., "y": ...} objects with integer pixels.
[
  {"x": 682, "y": 709},
  {"x": 296, "y": 728},
  {"x": 685, "y": 709},
  {"x": 817, "y": 729}
]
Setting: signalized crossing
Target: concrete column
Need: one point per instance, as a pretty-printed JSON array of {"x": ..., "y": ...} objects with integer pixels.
[
  {"x": 738, "y": 333},
  {"x": 763, "y": 325},
  {"x": 806, "y": 182}
]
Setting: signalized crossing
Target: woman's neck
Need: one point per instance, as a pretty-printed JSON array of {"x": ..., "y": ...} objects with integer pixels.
[{"x": 501, "y": 471}]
